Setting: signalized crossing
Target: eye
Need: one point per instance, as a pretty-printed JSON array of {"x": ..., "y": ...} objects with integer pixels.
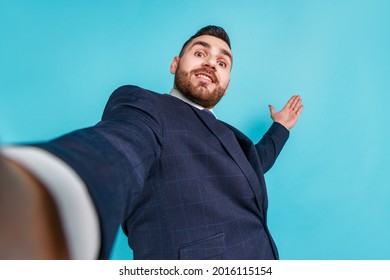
[
  {"x": 222, "y": 64},
  {"x": 199, "y": 54}
]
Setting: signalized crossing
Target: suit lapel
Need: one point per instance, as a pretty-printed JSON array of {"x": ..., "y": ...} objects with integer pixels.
[
  {"x": 249, "y": 150},
  {"x": 229, "y": 141}
]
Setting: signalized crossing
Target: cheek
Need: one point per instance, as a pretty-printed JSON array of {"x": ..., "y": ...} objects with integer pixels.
[
  {"x": 188, "y": 63},
  {"x": 225, "y": 79}
]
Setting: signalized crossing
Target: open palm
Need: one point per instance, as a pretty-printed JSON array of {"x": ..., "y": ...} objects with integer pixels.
[{"x": 289, "y": 115}]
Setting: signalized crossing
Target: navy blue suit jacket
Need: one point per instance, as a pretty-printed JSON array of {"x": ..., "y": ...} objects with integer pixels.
[{"x": 183, "y": 184}]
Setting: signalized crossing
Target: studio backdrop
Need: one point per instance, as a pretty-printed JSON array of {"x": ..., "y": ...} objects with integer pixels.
[{"x": 329, "y": 190}]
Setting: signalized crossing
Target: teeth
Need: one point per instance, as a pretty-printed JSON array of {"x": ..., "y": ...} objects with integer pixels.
[{"x": 205, "y": 77}]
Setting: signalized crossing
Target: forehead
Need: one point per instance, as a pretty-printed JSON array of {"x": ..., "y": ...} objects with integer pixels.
[{"x": 211, "y": 42}]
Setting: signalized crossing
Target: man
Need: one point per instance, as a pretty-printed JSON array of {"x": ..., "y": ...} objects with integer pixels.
[{"x": 182, "y": 184}]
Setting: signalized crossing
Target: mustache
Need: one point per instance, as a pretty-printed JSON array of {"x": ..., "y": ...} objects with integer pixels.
[{"x": 205, "y": 71}]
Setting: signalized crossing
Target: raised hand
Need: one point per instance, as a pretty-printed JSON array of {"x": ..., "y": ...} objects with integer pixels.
[{"x": 289, "y": 115}]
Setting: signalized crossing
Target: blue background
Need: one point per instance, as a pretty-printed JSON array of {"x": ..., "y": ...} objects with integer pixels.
[{"x": 329, "y": 190}]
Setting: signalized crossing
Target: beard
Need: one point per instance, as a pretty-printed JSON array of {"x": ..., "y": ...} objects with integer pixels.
[{"x": 198, "y": 93}]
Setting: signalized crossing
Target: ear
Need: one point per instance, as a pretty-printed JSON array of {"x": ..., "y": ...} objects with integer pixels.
[{"x": 174, "y": 64}]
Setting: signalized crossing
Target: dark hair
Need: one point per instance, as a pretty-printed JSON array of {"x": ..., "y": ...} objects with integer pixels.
[{"x": 210, "y": 30}]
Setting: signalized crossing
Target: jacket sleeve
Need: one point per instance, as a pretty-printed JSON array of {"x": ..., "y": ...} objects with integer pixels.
[
  {"x": 269, "y": 147},
  {"x": 114, "y": 157}
]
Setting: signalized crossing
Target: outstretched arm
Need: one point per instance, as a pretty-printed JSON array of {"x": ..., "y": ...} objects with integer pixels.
[
  {"x": 289, "y": 115},
  {"x": 273, "y": 141}
]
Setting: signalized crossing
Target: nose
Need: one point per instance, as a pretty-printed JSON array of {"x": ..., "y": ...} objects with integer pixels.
[{"x": 210, "y": 63}]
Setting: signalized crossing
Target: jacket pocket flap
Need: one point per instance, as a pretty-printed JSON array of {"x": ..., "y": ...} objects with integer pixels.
[{"x": 205, "y": 249}]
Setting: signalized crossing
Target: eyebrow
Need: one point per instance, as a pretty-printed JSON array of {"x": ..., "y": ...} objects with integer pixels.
[{"x": 208, "y": 46}]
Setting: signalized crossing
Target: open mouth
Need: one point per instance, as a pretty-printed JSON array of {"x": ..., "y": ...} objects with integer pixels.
[{"x": 206, "y": 76}]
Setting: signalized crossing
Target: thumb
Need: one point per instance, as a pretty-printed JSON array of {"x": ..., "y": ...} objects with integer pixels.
[{"x": 272, "y": 110}]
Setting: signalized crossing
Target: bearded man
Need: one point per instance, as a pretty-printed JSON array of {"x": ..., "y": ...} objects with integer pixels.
[{"x": 180, "y": 182}]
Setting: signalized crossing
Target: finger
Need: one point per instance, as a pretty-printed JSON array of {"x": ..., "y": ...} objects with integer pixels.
[
  {"x": 295, "y": 102},
  {"x": 300, "y": 108},
  {"x": 271, "y": 109},
  {"x": 290, "y": 101}
]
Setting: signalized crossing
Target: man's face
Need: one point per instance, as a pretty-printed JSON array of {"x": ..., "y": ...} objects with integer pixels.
[{"x": 202, "y": 73}]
